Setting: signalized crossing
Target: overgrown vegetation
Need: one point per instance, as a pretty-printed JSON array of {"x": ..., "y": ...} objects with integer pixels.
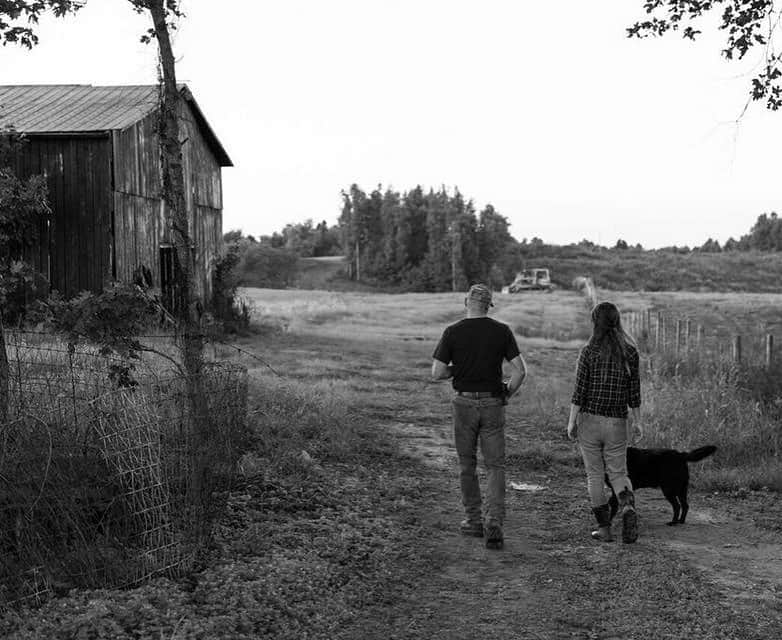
[
  {"x": 98, "y": 467},
  {"x": 702, "y": 399},
  {"x": 318, "y": 531},
  {"x": 23, "y": 209}
]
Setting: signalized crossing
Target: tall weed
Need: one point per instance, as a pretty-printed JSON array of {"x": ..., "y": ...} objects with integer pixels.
[
  {"x": 298, "y": 424},
  {"x": 691, "y": 403}
]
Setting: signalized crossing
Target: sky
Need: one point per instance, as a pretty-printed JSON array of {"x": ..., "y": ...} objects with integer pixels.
[{"x": 545, "y": 110}]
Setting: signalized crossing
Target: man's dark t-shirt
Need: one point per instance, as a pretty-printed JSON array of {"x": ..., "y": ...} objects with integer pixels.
[{"x": 476, "y": 348}]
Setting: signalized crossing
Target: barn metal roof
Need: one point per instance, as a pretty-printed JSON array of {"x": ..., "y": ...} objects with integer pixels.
[{"x": 80, "y": 108}]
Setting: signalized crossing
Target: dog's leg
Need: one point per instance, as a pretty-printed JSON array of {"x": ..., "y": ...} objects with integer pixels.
[
  {"x": 671, "y": 497},
  {"x": 685, "y": 504}
]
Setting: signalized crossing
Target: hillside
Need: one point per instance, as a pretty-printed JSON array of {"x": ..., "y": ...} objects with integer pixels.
[
  {"x": 638, "y": 270},
  {"x": 620, "y": 270}
]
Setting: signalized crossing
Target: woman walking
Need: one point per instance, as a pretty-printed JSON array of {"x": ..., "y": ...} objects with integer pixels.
[{"x": 607, "y": 383}]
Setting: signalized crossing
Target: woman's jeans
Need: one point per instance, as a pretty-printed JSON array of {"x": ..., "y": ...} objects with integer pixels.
[
  {"x": 473, "y": 420},
  {"x": 603, "y": 444}
]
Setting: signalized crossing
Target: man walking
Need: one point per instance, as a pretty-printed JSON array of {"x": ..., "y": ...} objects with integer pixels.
[{"x": 471, "y": 351}]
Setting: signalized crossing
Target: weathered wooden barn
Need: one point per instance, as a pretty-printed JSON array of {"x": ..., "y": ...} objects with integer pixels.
[{"x": 98, "y": 148}]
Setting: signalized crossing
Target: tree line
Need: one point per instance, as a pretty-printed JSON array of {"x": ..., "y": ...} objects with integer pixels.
[
  {"x": 428, "y": 241},
  {"x": 434, "y": 240}
]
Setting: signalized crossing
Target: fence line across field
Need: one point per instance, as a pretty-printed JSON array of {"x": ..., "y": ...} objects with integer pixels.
[{"x": 658, "y": 333}]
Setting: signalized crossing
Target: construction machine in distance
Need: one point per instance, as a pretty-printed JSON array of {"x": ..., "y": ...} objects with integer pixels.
[{"x": 530, "y": 280}]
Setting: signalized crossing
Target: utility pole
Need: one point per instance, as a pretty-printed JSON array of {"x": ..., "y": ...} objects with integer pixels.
[
  {"x": 456, "y": 250},
  {"x": 358, "y": 260}
]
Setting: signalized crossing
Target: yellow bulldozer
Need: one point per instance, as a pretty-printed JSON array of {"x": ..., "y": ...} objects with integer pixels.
[{"x": 530, "y": 280}]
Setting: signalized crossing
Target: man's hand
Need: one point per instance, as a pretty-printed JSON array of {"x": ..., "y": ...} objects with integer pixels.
[
  {"x": 440, "y": 370},
  {"x": 517, "y": 374}
]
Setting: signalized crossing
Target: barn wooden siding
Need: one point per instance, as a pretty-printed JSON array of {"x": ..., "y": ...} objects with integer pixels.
[
  {"x": 139, "y": 212},
  {"x": 74, "y": 246}
]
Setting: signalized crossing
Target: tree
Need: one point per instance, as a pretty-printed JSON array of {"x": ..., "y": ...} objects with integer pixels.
[
  {"x": 746, "y": 23},
  {"x": 233, "y": 236},
  {"x": 621, "y": 245},
  {"x": 711, "y": 246},
  {"x": 163, "y": 14},
  {"x": 493, "y": 238},
  {"x": 18, "y": 18},
  {"x": 23, "y": 203},
  {"x": 187, "y": 311},
  {"x": 765, "y": 235},
  {"x": 17, "y": 21}
]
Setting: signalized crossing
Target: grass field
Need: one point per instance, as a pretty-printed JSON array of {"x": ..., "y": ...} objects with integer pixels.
[{"x": 709, "y": 406}]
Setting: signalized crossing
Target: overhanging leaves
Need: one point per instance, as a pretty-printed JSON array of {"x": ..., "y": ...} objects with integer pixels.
[
  {"x": 746, "y": 23},
  {"x": 18, "y": 18}
]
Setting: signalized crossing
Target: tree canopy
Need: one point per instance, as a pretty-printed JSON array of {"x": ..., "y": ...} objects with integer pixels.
[{"x": 747, "y": 24}]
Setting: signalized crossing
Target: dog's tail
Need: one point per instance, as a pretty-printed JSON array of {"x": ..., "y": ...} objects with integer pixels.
[{"x": 700, "y": 453}]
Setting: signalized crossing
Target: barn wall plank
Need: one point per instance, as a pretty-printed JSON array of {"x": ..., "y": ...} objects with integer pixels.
[{"x": 67, "y": 250}]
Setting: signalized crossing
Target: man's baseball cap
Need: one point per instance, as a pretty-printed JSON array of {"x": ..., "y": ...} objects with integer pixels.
[{"x": 480, "y": 293}]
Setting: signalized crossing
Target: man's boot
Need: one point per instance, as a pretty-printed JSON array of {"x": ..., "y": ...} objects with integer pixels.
[
  {"x": 494, "y": 537},
  {"x": 472, "y": 528},
  {"x": 603, "y": 517},
  {"x": 629, "y": 516}
]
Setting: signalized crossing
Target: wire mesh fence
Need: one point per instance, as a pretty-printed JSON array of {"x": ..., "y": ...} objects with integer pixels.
[{"x": 106, "y": 479}]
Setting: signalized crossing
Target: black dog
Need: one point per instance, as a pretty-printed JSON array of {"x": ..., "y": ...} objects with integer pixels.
[{"x": 666, "y": 469}]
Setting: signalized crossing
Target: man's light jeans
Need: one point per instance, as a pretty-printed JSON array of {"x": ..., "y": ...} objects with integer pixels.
[
  {"x": 603, "y": 444},
  {"x": 483, "y": 420}
]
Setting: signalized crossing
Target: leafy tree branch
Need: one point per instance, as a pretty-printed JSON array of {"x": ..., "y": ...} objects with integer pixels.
[{"x": 747, "y": 25}]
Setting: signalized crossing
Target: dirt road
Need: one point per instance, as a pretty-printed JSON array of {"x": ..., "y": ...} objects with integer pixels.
[{"x": 718, "y": 576}]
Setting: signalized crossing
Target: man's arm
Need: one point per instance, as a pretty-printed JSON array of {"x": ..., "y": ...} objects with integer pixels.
[
  {"x": 517, "y": 374},
  {"x": 440, "y": 370}
]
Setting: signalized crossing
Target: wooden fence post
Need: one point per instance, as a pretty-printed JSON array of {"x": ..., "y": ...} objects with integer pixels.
[
  {"x": 658, "y": 332},
  {"x": 678, "y": 336},
  {"x": 687, "y": 332},
  {"x": 699, "y": 334},
  {"x": 769, "y": 350},
  {"x": 736, "y": 348}
]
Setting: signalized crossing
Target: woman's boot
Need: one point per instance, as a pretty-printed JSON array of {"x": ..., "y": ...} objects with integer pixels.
[
  {"x": 629, "y": 516},
  {"x": 603, "y": 517}
]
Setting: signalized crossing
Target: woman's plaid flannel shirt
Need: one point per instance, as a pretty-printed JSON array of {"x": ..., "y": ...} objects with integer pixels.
[{"x": 604, "y": 388}]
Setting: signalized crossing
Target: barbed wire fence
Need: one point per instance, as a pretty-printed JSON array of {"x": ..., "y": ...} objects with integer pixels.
[
  {"x": 109, "y": 480},
  {"x": 682, "y": 338}
]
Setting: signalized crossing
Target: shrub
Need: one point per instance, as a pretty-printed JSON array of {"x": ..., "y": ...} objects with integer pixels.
[
  {"x": 265, "y": 266},
  {"x": 228, "y": 307}
]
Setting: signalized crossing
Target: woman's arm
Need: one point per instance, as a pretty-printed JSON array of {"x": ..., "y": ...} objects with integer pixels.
[
  {"x": 572, "y": 425},
  {"x": 579, "y": 394},
  {"x": 634, "y": 397}
]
